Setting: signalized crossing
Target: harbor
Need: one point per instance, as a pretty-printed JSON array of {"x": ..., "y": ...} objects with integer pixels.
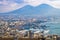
[
  {"x": 29, "y": 19},
  {"x": 16, "y": 31}
]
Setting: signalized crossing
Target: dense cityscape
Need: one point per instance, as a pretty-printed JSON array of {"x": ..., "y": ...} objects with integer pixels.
[{"x": 24, "y": 27}]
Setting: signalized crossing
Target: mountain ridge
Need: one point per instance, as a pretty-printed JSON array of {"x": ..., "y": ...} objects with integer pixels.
[{"x": 43, "y": 9}]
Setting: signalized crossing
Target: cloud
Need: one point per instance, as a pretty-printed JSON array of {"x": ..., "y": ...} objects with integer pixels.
[
  {"x": 10, "y": 5},
  {"x": 34, "y": 2},
  {"x": 7, "y": 6},
  {"x": 54, "y": 3}
]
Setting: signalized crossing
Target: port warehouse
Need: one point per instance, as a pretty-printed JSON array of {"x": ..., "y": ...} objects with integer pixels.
[{"x": 53, "y": 37}]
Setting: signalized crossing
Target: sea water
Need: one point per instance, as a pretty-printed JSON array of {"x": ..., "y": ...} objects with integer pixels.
[{"x": 54, "y": 28}]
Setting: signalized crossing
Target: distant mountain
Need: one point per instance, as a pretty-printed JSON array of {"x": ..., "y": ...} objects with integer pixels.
[{"x": 41, "y": 10}]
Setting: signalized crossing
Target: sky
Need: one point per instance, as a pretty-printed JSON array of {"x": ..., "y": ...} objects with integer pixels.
[{"x": 11, "y": 5}]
